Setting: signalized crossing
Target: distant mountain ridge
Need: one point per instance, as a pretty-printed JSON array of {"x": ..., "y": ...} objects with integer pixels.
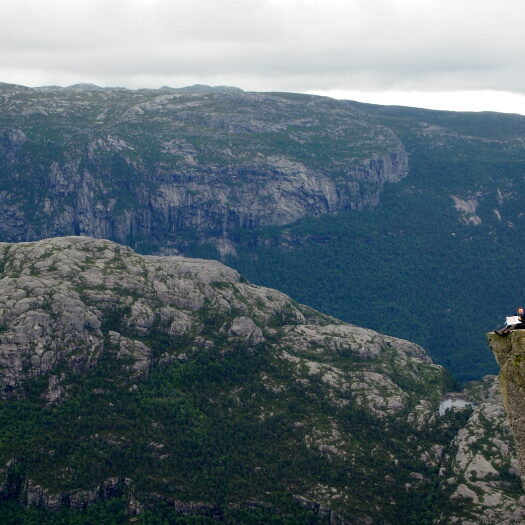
[{"x": 155, "y": 165}]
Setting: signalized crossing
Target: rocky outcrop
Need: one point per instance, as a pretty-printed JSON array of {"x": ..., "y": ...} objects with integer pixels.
[
  {"x": 65, "y": 300},
  {"x": 40, "y": 496},
  {"x": 167, "y": 166},
  {"x": 480, "y": 470},
  {"x": 68, "y": 305},
  {"x": 510, "y": 355},
  {"x": 174, "y": 380}
]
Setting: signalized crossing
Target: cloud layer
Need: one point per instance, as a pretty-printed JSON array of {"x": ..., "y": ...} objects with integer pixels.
[{"x": 289, "y": 45}]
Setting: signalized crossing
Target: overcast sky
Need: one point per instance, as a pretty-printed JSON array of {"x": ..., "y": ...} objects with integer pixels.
[{"x": 445, "y": 54}]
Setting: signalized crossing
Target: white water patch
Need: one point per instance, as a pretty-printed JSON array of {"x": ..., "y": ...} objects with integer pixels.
[{"x": 453, "y": 404}]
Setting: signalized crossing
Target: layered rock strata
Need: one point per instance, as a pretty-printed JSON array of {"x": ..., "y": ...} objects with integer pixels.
[{"x": 165, "y": 165}]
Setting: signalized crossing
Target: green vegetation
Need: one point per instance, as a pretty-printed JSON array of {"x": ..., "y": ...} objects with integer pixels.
[
  {"x": 188, "y": 407},
  {"x": 411, "y": 268},
  {"x": 113, "y": 512},
  {"x": 204, "y": 430}
]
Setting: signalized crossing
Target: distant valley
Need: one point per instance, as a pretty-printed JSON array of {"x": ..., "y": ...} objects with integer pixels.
[{"x": 402, "y": 220}]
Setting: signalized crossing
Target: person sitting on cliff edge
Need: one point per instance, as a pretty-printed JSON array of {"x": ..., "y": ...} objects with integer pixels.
[{"x": 512, "y": 324}]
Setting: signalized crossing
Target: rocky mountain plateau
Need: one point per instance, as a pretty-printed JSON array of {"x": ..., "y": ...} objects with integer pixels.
[
  {"x": 174, "y": 381},
  {"x": 161, "y": 165}
]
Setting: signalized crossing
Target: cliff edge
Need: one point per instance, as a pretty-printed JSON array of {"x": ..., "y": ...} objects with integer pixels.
[
  {"x": 162, "y": 167},
  {"x": 510, "y": 355}
]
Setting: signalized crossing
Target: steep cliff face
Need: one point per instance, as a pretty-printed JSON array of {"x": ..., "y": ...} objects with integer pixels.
[
  {"x": 510, "y": 355},
  {"x": 480, "y": 470},
  {"x": 166, "y": 379},
  {"x": 157, "y": 164}
]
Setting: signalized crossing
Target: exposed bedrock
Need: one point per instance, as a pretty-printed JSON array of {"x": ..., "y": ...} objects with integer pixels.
[
  {"x": 150, "y": 165},
  {"x": 510, "y": 355}
]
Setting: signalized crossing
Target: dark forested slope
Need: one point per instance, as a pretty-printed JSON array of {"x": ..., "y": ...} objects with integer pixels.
[{"x": 439, "y": 260}]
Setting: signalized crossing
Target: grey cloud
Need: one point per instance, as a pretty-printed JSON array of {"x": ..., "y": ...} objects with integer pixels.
[{"x": 268, "y": 44}]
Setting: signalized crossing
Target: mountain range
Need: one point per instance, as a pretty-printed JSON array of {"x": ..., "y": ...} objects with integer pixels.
[{"x": 399, "y": 219}]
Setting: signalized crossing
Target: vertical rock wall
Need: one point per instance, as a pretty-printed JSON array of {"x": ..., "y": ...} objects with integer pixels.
[{"x": 510, "y": 355}]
